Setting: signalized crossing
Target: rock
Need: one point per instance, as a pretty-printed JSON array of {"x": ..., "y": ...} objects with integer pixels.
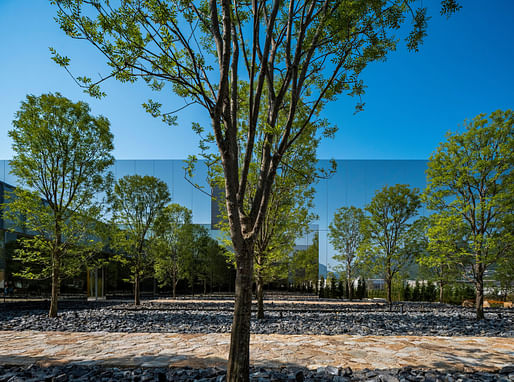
[
  {"x": 507, "y": 369},
  {"x": 299, "y": 377},
  {"x": 388, "y": 378}
]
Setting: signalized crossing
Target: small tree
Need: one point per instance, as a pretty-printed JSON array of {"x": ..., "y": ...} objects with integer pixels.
[
  {"x": 136, "y": 202},
  {"x": 62, "y": 154},
  {"x": 387, "y": 245},
  {"x": 470, "y": 185},
  {"x": 345, "y": 235},
  {"x": 171, "y": 245}
]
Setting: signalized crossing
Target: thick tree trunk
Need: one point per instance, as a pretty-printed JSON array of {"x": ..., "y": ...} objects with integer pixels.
[
  {"x": 239, "y": 355},
  {"x": 479, "y": 286},
  {"x": 56, "y": 281},
  {"x": 137, "y": 300},
  {"x": 260, "y": 295}
]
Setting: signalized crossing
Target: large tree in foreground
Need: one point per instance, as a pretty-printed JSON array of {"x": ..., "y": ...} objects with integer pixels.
[
  {"x": 309, "y": 50},
  {"x": 388, "y": 232},
  {"x": 345, "y": 236},
  {"x": 62, "y": 154},
  {"x": 136, "y": 202},
  {"x": 470, "y": 185}
]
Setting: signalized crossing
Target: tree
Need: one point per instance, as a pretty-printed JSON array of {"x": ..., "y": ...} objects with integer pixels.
[
  {"x": 171, "y": 244},
  {"x": 345, "y": 236},
  {"x": 470, "y": 185},
  {"x": 310, "y": 49},
  {"x": 196, "y": 265},
  {"x": 387, "y": 234},
  {"x": 62, "y": 154},
  {"x": 440, "y": 257},
  {"x": 305, "y": 264},
  {"x": 136, "y": 202}
]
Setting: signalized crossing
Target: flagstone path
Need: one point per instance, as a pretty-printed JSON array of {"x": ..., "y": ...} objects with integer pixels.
[{"x": 207, "y": 350}]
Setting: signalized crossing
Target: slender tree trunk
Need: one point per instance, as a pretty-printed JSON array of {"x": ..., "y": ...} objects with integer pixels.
[
  {"x": 349, "y": 281},
  {"x": 137, "y": 300},
  {"x": 479, "y": 286},
  {"x": 389, "y": 289},
  {"x": 56, "y": 281},
  {"x": 260, "y": 295},
  {"x": 174, "y": 285},
  {"x": 239, "y": 355}
]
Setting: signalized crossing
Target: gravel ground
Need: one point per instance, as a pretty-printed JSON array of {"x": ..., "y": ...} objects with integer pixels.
[
  {"x": 81, "y": 373},
  {"x": 216, "y": 317}
]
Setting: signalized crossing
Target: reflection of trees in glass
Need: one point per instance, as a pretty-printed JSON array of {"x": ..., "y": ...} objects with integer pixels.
[
  {"x": 387, "y": 235},
  {"x": 171, "y": 244},
  {"x": 136, "y": 202},
  {"x": 61, "y": 154},
  {"x": 304, "y": 265},
  {"x": 345, "y": 236}
]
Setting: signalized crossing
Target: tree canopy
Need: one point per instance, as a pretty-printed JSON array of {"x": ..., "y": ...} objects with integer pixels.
[
  {"x": 62, "y": 154},
  {"x": 345, "y": 236},
  {"x": 470, "y": 187},
  {"x": 136, "y": 202},
  {"x": 387, "y": 231}
]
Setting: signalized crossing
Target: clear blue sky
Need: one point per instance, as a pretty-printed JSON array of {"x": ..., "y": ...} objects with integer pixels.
[{"x": 465, "y": 67}]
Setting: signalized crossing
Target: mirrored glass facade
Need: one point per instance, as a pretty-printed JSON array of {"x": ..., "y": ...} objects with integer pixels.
[{"x": 354, "y": 183}]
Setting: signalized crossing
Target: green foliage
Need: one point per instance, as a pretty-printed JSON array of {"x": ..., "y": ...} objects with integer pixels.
[
  {"x": 136, "y": 202},
  {"x": 345, "y": 236},
  {"x": 171, "y": 244},
  {"x": 470, "y": 188},
  {"x": 388, "y": 234},
  {"x": 62, "y": 154},
  {"x": 283, "y": 52},
  {"x": 504, "y": 274},
  {"x": 304, "y": 264}
]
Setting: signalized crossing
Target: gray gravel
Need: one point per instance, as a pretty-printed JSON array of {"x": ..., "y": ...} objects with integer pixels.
[
  {"x": 416, "y": 319},
  {"x": 80, "y": 373}
]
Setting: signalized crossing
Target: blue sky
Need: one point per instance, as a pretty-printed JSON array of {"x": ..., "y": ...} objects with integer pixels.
[{"x": 464, "y": 68}]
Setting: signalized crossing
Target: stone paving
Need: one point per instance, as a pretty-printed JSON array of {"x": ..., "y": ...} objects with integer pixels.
[{"x": 207, "y": 350}]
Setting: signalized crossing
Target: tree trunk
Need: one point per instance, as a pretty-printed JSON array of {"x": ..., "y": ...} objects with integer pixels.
[
  {"x": 479, "y": 286},
  {"x": 239, "y": 356},
  {"x": 349, "y": 281},
  {"x": 441, "y": 286},
  {"x": 56, "y": 281},
  {"x": 260, "y": 295},
  {"x": 137, "y": 300},
  {"x": 389, "y": 288},
  {"x": 174, "y": 285}
]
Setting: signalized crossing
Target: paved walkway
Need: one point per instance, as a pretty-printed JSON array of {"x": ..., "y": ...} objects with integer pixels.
[{"x": 204, "y": 350}]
